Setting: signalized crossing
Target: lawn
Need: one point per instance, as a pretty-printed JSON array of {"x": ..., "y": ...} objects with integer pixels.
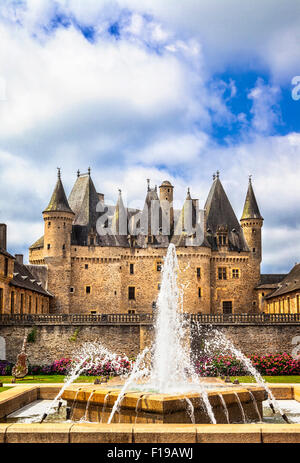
[
  {"x": 46, "y": 379},
  {"x": 269, "y": 379},
  {"x": 91, "y": 379},
  {"x": 2, "y": 389}
]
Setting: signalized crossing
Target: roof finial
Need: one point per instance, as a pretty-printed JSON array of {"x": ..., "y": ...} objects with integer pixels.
[
  {"x": 89, "y": 171},
  {"x": 58, "y": 172},
  {"x": 120, "y": 191},
  {"x": 218, "y": 174},
  {"x": 250, "y": 179},
  {"x": 78, "y": 173},
  {"x": 148, "y": 184},
  {"x": 188, "y": 190},
  {"x": 214, "y": 176}
]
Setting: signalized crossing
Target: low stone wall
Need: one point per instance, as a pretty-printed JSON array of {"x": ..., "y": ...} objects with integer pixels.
[
  {"x": 254, "y": 339},
  {"x": 54, "y": 341}
]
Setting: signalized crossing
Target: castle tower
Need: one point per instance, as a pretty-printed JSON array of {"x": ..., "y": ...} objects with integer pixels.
[
  {"x": 166, "y": 204},
  {"x": 58, "y": 218},
  {"x": 251, "y": 222}
]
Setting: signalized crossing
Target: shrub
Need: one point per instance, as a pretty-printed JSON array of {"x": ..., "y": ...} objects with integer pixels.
[
  {"x": 276, "y": 364},
  {"x": 5, "y": 368},
  {"x": 62, "y": 367},
  {"x": 268, "y": 365},
  {"x": 32, "y": 335}
]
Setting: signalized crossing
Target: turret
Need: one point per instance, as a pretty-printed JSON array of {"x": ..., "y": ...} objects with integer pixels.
[
  {"x": 58, "y": 218},
  {"x": 166, "y": 204},
  {"x": 251, "y": 222}
]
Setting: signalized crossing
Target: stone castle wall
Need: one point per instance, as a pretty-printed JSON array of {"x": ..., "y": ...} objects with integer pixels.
[
  {"x": 106, "y": 271},
  {"x": 53, "y": 342}
]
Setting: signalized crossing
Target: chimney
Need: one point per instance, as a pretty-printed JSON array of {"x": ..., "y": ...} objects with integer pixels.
[
  {"x": 3, "y": 243},
  {"x": 19, "y": 258}
]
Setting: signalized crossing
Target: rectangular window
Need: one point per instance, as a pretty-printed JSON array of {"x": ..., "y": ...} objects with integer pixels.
[
  {"x": 22, "y": 303},
  {"x": 5, "y": 266},
  {"x": 48, "y": 246},
  {"x": 222, "y": 273},
  {"x": 199, "y": 292},
  {"x": 29, "y": 304},
  {"x": 88, "y": 290},
  {"x": 158, "y": 286},
  {"x": 71, "y": 289},
  {"x": 227, "y": 307},
  {"x": 235, "y": 273},
  {"x": 131, "y": 269},
  {"x": 158, "y": 266},
  {"x": 1, "y": 300},
  {"x": 131, "y": 293},
  {"x": 36, "y": 304},
  {"x": 93, "y": 311},
  {"x": 12, "y": 302},
  {"x": 131, "y": 312},
  {"x": 298, "y": 303},
  {"x": 198, "y": 272},
  {"x": 86, "y": 266}
]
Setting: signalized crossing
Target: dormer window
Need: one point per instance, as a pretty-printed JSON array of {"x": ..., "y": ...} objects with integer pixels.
[
  {"x": 222, "y": 240},
  {"x": 222, "y": 233}
]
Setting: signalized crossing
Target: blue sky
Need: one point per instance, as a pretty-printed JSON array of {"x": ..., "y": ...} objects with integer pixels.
[{"x": 153, "y": 89}]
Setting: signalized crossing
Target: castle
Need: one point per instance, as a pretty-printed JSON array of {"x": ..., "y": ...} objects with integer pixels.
[{"x": 91, "y": 272}]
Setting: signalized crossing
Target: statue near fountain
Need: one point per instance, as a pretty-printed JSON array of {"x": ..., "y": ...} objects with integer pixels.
[{"x": 20, "y": 370}]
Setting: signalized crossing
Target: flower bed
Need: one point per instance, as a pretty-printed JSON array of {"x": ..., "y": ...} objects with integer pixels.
[
  {"x": 267, "y": 365},
  {"x": 218, "y": 365}
]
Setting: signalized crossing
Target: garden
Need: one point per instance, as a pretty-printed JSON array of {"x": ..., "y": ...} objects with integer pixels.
[{"x": 277, "y": 368}]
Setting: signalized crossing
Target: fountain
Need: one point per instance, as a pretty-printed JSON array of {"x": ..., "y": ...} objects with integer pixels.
[{"x": 163, "y": 386}]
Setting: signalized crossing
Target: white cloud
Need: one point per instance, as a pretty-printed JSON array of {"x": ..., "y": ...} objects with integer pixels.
[
  {"x": 262, "y": 35},
  {"x": 130, "y": 106},
  {"x": 265, "y": 108}
]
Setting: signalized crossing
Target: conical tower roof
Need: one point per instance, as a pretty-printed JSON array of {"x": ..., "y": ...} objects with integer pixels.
[
  {"x": 219, "y": 213},
  {"x": 58, "y": 201},
  {"x": 251, "y": 210}
]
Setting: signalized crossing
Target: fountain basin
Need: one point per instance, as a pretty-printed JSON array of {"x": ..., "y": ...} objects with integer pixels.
[{"x": 230, "y": 404}]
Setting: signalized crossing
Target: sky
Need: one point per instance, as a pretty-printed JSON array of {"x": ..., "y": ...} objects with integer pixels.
[{"x": 154, "y": 89}]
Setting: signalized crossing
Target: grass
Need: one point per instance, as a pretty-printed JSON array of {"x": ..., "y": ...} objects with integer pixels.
[
  {"x": 46, "y": 379},
  {"x": 4, "y": 388},
  {"x": 268, "y": 379},
  {"x": 91, "y": 379}
]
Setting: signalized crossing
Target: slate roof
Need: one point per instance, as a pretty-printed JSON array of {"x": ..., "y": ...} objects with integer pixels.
[
  {"x": 6, "y": 254},
  {"x": 270, "y": 280},
  {"x": 289, "y": 284},
  {"x": 38, "y": 243},
  {"x": 23, "y": 278},
  {"x": 58, "y": 201},
  {"x": 251, "y": 210},
  {"x": 83, "y": 201},
  {"x": 221, "y": 215}
]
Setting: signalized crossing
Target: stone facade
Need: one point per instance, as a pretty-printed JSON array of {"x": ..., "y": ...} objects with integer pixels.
[
  {"x": 91, "y": 274},
  {"x": 20, "y": 291},
  {"x": 54, "y": 341}
]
